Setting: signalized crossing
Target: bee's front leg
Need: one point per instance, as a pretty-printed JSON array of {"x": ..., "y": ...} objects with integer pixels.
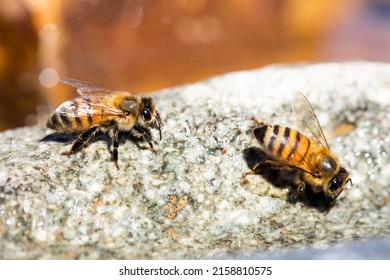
[
  {"x": 300, "y": 184},
  {"x": 146, "y": 136},
  {"x": 115, "y": 144},
  {"x": 83, "y": 140},
  {"x": 299, "y": 195}
]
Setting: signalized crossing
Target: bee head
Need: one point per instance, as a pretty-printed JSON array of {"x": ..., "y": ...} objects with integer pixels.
[
  {"x": 149, "y": 115},
  {"x": 337, "y": 183}
]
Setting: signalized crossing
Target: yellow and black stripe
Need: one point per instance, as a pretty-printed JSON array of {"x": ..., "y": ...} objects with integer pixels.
[
  {"x": 68, "y": 116},
  {"x": 283, "y": 142},
  {"x": 54, "y": 122},
  {"x": 59, "y": 122}
]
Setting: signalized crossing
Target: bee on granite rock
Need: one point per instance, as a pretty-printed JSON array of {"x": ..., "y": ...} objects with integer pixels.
[
  {"x": 101, "y": 110},
  {"x": 305, "y": 152}
]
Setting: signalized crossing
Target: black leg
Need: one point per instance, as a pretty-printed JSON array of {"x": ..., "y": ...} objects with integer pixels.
[
  {"x": 115, "y": 145},
  {"x": 82, "y": 140},
  {"x": 301, "y": 188},
  {"x": 146, "y": 136}
]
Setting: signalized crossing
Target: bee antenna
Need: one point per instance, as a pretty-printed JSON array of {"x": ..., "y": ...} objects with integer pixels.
[
  {"x": 349, "y": 180},
  {"x": 160, "y": 123}
]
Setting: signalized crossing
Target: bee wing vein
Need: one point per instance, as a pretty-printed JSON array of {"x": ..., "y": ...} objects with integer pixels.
[
  {"x": 306, "y": 119},
  {"x": 86, "y": 89},
  {"x": 85, "y": 107}
]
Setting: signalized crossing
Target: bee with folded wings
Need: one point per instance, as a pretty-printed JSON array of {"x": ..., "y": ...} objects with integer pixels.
[
  {"x": 307, "y": 153},
  {"x": 101, "y": 110}
]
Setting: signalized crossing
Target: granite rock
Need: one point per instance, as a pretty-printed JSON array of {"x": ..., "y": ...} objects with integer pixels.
[{"x": 190, "y": 200}]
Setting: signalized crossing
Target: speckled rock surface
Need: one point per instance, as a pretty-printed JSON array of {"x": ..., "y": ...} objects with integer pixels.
[{"x": 190, "y": 200}]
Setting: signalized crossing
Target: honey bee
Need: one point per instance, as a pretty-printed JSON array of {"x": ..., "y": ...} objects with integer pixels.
[
  {"x": 101, "y": 110},
  {"x": 306, "y": 152}
]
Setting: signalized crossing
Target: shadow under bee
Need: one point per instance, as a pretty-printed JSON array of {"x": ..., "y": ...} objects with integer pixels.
[
  {"x": 68, "y": 138},
  {"x": 283, "y": 178}
]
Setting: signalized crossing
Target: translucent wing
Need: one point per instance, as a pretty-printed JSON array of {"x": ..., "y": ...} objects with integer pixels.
[
  {"x": 86, "y": 89},
  {"x": 93, "y": 103},
  {"x": 84, "y": 107},
  {"x": 306, "y": 120}
]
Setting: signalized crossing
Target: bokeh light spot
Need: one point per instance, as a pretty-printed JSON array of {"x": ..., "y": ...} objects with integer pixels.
[{"x": 49, "y": 77}]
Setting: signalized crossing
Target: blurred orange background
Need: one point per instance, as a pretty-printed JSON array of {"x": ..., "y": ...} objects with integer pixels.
[{"x": 146, "y": 45}]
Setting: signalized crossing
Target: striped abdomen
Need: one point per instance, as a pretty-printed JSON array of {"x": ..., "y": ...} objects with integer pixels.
[
  {"x": 283, "y": 143},
  {"x": 76, "y": 115}
]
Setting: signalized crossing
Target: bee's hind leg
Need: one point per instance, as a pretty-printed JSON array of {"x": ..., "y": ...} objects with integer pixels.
[
  {"x": 255, "y": 170},
  {"x": 145, "y": 135},
  {"x": 82, "y": 140},
  {"x": 259, "y": 122},
  {"x": 269, "y": 164}
]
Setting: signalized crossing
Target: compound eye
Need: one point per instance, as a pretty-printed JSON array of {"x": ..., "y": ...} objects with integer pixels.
[
  {"x": 146, "y": 114},
  {"x": 335, "y": 184}
]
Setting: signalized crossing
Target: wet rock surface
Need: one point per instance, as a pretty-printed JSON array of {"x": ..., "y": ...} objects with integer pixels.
[{"x": 190, "y": 200}]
